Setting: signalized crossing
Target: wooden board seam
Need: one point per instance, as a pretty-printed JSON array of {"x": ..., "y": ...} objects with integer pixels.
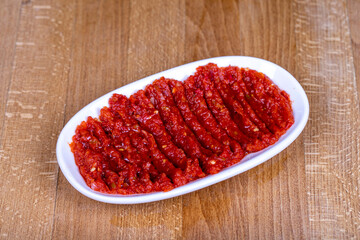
[{"x": 12, "y": 73}]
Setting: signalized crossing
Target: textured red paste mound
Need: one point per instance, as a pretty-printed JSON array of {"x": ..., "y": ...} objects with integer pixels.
[{"x": 174, "y": 132}]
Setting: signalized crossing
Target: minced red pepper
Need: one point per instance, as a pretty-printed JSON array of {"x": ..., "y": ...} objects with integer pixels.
[{"x": 175, "y": 132}]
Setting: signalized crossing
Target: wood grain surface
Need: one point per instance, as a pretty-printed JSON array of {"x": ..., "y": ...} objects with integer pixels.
[{"x": 58, "y": 55}]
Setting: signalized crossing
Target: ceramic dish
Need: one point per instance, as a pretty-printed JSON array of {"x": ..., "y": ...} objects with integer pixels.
[{"x": 277, "y": 74}]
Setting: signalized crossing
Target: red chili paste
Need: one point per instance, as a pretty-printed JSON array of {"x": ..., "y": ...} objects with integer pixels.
[{"x": 174, "y": 132}]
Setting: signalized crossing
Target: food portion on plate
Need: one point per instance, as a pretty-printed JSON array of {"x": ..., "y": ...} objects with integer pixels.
[{"x": 174, "y": 132}]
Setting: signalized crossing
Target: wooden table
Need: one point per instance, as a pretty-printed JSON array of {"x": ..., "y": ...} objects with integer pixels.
[{"x": 56, "y": 56}]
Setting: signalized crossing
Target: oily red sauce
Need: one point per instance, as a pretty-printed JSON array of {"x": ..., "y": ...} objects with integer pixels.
[{"x": 174, "y": 132}]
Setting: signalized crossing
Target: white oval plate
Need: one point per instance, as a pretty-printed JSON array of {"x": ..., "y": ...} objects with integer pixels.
[{"x": 277, "y": 74}]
